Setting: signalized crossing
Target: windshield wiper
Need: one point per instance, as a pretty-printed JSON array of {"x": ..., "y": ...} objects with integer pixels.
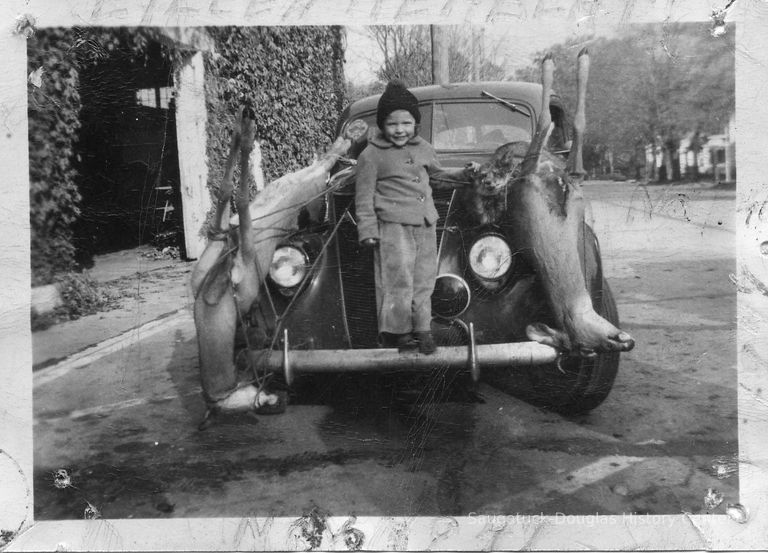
[{"x": 510, "y": 105}]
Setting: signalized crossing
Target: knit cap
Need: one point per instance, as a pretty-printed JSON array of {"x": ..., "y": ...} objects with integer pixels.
[{"x": 396, "y": 97}]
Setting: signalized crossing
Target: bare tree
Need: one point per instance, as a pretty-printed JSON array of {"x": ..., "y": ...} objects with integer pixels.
[
  {"x": 407, "y": 54},
  {"x": 406, "y": 51}
]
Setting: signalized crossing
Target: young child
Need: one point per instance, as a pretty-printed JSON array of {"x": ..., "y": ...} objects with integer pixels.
[{"x": 396, "y": 215}]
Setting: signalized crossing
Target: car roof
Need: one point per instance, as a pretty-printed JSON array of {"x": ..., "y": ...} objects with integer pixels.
[{"x": 529, "y": 93}]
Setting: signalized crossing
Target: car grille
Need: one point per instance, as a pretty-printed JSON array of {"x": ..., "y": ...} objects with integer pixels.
[
  {"x": 442, "y": 203},
  {"x": 357, "y": 272},
  {"x": 358, "y": 287}
]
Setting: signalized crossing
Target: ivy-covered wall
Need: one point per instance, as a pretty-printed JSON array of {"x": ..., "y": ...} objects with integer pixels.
[
  {"x": 53, "y": 112},
  {"x": 292, "y": 76}
]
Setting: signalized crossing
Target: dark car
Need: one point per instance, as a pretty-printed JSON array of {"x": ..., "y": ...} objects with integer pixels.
[{"x": 318, "y": 312}]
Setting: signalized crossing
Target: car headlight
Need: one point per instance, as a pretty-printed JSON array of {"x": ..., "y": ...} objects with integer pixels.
[
  {"x": 451, "y": 296},
  {"x": 289, "y": 265},
  {"x": 490, "y": 257}
]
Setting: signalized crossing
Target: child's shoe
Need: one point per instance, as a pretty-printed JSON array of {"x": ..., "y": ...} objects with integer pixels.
[
  {"x": 427, "y": 344},
  {"x": 387, "y": 340},
  {"x": 405, "y": 342}
]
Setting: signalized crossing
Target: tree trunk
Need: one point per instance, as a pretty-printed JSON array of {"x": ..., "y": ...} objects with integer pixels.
[
  {"x": 695, "y": 168},
  {"x": 665, "y": 173},
  {"x": 675, "y": 154}
]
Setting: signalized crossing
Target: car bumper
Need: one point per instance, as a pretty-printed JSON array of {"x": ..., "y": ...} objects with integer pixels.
[{"x": 470, "y": 357}]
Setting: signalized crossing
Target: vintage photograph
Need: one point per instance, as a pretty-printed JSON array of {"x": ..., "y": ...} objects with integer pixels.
[{"x": 383, "y": 271}]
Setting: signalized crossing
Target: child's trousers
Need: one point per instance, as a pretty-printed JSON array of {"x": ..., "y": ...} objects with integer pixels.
[{"x": 405, "y": 265}]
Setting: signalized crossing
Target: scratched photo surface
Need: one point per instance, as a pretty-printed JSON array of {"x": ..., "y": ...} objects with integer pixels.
[{"x": 129, "y": 131}]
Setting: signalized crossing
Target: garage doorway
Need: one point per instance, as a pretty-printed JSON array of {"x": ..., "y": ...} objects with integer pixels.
[{"x": 127, "y": 155}]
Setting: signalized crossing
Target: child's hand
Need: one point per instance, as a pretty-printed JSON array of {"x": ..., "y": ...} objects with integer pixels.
[
  {"x": 370, "y": 242},
  {"x": 472, "y": 168}
]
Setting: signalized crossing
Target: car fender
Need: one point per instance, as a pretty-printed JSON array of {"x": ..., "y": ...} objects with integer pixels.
[{"x": 314, "y": 316}]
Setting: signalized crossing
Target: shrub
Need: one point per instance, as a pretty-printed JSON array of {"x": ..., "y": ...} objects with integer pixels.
[{"x": 81, "y": 296}]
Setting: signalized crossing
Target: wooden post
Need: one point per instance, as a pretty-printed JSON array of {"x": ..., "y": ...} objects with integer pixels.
[
  {"x": 191, "y": 117},
  {"x": 439, "y": 55},
  {"x": 474, "y": 60}
]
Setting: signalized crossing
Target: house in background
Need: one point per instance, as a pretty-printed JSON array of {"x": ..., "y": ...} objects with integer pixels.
[{"x": 717, "y": 156}]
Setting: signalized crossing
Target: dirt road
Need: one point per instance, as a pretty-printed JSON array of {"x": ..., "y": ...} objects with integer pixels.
[{"x": 122, "y": 421}]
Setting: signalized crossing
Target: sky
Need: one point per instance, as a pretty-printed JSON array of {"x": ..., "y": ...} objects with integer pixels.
[
  {"x": 515, "y": 45},
  {"x": 516, "y": 42}
]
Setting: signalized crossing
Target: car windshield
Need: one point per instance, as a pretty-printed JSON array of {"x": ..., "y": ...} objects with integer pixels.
[{"x": 477, "y": 126}]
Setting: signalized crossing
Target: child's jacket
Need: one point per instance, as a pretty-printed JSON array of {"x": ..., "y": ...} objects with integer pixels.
[{"x": 393, "y": 184}]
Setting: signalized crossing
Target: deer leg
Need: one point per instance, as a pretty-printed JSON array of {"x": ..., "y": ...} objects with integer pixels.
[
  {"x": 544, "y": 123},
  {"x": 245, "y": 273},
  {"x": 575, "y": 166},
  {"x": 217, "y": 241}
]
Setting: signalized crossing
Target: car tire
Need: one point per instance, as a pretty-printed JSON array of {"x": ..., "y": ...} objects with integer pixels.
[{"x": 582, "y": 384}]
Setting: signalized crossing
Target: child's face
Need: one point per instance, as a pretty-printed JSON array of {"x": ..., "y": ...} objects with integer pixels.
[{"x": 399, "y": 127}]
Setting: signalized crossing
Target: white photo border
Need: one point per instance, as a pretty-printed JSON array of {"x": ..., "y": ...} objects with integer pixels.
[{"x": 624, "y": 532}]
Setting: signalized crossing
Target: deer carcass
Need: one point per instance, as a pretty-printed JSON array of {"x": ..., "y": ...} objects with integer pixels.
[
  {"x": 229, "y": 275},
  {"x": 540, "y": 199}
]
